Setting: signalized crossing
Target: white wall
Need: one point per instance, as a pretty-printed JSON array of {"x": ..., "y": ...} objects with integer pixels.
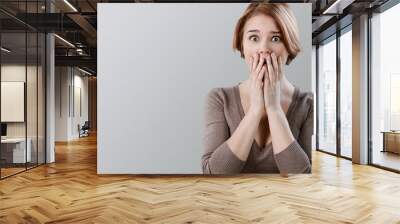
[
  {"x": 61, "y": 103},
  {"x": 156, "y": 63},
  {"x": 80, "y": 83},
  {"x": 67, "y": 80}
]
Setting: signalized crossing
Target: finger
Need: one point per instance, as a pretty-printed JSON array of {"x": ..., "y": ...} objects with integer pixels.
[
  {"x": 251, "y": 63},
  {"x": 261, "y": 73},
  {"x": 271, "y": 72},
  {"x": 255, "y": 60},
  {"x": 256, "y": 83},
  {"x": 252, "y": 78},
  {"x": 260, "y": 63},
  {"x": 275, "y": 65},
  {"x": 252, "y": 67},
  {"x": 266, "y": 76},
  {"x": 279, "y": 69},
  {"x": 280, "y": 66}
]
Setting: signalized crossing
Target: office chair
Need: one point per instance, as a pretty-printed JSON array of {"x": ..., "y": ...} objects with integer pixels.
[{"x": 84, "y": 130}]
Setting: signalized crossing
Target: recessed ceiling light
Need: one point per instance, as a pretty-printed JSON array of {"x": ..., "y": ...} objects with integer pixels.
[
  {"x": 64, "y": 40},
  {"x": 5, "y": 50},
  {"x": 84, "y": 71},
  {"x": 337, "y": 7},
  {"x": 70, "y": 5}
]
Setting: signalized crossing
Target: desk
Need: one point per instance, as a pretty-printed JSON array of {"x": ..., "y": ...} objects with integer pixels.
[
  {"x": 16, "y": 153},
  {"x": 391, "y": 141}
]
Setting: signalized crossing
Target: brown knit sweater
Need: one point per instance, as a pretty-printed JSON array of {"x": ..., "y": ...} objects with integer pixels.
[{"x": 224, "y": 112}]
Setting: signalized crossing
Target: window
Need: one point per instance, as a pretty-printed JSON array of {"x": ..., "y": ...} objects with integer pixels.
[
  {"x": 327, "y": 96},
  {"x": 385, "y": 89},
  {"x": 346, "y": 75}
]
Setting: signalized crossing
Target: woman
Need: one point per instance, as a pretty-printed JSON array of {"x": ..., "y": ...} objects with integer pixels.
[{"x": 264, "y": 124}]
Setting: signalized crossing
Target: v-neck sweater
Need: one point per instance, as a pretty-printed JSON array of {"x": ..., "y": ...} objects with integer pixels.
[{"x": 223, "y": 114}]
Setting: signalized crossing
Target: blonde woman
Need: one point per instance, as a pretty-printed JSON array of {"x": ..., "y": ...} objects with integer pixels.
[{"x": 264, "y": 124}]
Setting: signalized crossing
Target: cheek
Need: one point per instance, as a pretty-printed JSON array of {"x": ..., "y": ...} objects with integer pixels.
[
  {"x": 247, "y": 59},
  {"x": 247, "y": 55},
  {"x": 248, "y": 52},
  {"x": 281, "y": 51}
]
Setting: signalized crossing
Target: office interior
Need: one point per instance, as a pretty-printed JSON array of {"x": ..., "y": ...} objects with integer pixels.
[
  {"x": 49, "y": 73},
  {"x": 30, "y": 56}
]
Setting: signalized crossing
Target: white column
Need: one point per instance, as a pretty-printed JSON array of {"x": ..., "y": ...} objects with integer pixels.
[
  {"x": 50, "y": 92},
  {"x": 50, "y": 110},
  {"x": 360, "y": 90}
]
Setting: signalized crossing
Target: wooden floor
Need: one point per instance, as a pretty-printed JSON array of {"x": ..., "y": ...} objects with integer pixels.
[
  {"x": 70, "y": 191},
  {"x": 387, "y": 159},
  {"x": 5, "y": 172}
]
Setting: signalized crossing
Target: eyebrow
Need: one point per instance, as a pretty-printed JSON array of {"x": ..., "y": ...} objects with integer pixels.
[{"x": 257, "y": 31}]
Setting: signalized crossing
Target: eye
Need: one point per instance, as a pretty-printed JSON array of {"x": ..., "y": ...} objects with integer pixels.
[
  {"x": 253, "y": 38},
  {"x": 276, "y": 39}
]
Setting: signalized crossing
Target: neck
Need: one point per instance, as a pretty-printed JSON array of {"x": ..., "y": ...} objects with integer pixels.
[{"x": 287, "y": 88}]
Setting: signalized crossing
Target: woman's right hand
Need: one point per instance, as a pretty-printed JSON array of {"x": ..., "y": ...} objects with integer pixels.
[{"x": 257, "y": 72}]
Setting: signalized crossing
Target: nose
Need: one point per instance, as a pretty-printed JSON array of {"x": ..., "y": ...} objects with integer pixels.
[
  {"x": 264, "y": 47},
  {"x": 263, "y": 51}
]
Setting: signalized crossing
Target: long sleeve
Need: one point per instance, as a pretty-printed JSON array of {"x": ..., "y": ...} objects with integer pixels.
[
  {"x": 218, "y": 158},
  {"x": 296, "y": 158}
]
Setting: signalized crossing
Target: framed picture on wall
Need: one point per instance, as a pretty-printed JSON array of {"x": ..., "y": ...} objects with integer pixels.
[{"x": 12, "y": 101}]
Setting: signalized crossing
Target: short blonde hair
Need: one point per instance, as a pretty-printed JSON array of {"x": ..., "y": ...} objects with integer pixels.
[{"x": 285, "y": 20}]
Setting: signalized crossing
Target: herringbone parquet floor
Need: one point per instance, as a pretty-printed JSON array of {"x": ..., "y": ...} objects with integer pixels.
[{"x": 70, "y": 191}]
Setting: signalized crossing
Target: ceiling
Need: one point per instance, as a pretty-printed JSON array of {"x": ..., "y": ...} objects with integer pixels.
[{"x": 76, "y": 22}]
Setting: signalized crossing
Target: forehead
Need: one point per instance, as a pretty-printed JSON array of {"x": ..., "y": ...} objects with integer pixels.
[{"x": 264, "y": 23}]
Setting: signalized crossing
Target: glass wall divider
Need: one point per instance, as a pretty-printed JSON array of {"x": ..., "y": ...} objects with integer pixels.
[
  {"x": 384, "y": 88},
  {"x": 329, "y": 81},
  {"x": 22, "y": 90},
  {"x": 338, "y": 93},
  {"x": 2, "y": 162},
  {"x": 317, "y": 97}
]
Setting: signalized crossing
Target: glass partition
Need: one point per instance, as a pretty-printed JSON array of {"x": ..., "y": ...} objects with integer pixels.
[
  {"x": 22, "y": 77},
  {"x": 385, "y": 89},
  {"x": 32, "y": 95},
  {"x": 346, "y": 93},
  {"x": 41, "y": 88},
  {"x": 13, "y": 109},
  {"x": 327, "y": 96}
]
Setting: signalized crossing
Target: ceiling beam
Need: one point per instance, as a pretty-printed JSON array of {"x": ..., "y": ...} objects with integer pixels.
[
  {"x": 337, "y": 6},
  {"x": 85, "y": 61}
]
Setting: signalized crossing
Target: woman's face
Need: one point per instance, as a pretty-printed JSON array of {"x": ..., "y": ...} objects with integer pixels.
[{"x": 262, "y": 35}]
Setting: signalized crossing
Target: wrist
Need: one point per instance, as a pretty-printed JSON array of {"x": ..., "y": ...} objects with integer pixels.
[
  {"x": 256, "y": 114},
  {"x": 274, "y": 109}
]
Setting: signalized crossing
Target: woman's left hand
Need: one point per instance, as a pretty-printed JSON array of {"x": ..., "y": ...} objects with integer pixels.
[{"x": 272, "y": 82}]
